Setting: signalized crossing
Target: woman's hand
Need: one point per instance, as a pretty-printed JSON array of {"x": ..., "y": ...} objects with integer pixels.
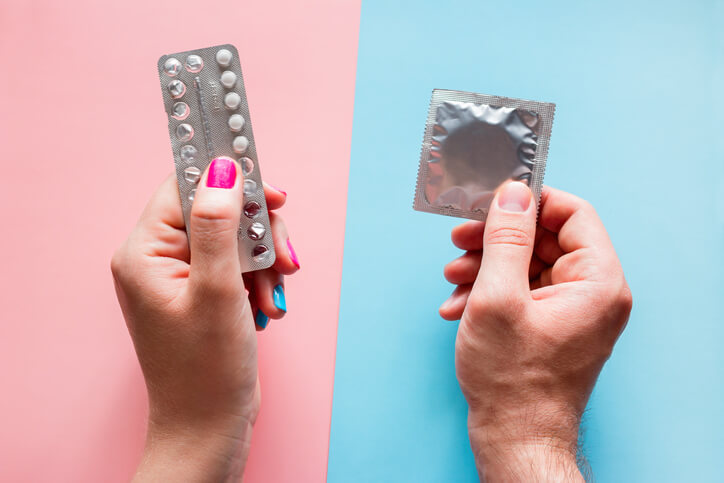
[
  {"x": 193, "y": 324},
  {"x": 541, "y": 309}
]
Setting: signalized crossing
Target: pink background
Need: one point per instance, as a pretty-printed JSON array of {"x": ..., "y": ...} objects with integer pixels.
[{"x": 84, "y": 144}]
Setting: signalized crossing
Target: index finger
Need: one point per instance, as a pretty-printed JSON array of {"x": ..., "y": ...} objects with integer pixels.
[
  {"x": 573, "y": 219},
  {"x": 469, "y": 235},
  {"x": 275, "y": 198},
  {"x": 164, "y": 206}
]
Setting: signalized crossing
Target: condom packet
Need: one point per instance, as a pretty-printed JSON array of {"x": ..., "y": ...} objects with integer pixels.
[
  {"x": 474, "y": 144},
  {"x": 208, "y": 117}
]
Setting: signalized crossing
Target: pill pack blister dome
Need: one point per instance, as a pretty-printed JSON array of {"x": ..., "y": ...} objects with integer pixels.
[{"x": 208, "y": 117}]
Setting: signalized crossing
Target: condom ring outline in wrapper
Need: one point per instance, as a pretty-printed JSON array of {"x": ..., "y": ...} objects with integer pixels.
[
  {"x": 208, "y": 117},
  {"x": 474, "y": 144}
]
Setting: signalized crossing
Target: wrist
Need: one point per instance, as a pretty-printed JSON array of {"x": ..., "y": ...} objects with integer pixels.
[
  {"x": 542, "y": 461},
  {"x": 195, "y": 453},
  {"x": 521, "y": 452}
]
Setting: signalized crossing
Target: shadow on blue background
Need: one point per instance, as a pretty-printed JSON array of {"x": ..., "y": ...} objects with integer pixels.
[{"x": 638, "y": 132}]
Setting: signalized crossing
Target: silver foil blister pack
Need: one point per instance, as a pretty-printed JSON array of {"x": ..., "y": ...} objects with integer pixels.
[
  {"x": 208, "y": 117},
  {"x": 473, "y": 145}
]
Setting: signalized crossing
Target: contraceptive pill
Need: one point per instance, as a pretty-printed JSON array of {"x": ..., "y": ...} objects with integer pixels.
[
  {"x": 228, "y": 79},
  {"x": 236, "y": 122},
  {"x": 208, "y": 117},
  {"x": 223, "y": 57},
  {"x": 240, "y": 144},
  {"x": 232, "y": 100}
]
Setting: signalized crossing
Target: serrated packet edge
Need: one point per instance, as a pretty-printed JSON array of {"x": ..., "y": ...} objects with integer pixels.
[{"x": 546, "y": 111}]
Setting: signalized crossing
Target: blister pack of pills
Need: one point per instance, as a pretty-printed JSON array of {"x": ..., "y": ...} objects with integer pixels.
[
  {"x": 474, "y": 144},
  {"x": 208, "y": 117}
]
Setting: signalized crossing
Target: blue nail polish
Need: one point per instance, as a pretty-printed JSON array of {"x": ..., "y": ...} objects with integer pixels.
[
  {"x": 261, "y": 319},
  {"x": 279, "y": 299}
]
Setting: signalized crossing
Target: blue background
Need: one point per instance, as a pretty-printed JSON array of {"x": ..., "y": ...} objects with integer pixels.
[{"x": 638, "y": 132}]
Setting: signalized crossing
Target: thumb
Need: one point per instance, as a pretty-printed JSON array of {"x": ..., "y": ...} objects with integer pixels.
[
  {"x": 213, "y": 226},
  {"x": 508, "y": 243}
]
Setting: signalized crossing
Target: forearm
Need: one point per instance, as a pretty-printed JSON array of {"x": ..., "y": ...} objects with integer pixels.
[
  {"x": 535, "y": 460},
  {"x": 194, "y": 456}
]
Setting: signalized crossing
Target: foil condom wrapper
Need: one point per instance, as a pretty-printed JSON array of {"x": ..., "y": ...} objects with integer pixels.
[{"x": 476, "y": 143}]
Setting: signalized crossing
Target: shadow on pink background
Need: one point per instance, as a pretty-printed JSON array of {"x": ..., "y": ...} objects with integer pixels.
[{"x": 84, "y": 144}]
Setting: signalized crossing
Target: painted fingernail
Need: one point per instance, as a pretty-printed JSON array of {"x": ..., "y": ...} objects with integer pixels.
[
  {"x": 222, "y": 173},
  {"x": 280, "y": 301},
  {"x": 515, "y": 197},
  {"x": 261, "y": 319},
  {"x": 279, "y": 190},
  {"x": 292, "y": 253}
]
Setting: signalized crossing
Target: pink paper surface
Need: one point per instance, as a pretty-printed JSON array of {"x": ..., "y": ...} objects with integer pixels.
[{"x": 83, "y": 144}]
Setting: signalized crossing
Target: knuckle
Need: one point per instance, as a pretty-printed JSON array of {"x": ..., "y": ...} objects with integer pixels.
[
  {"x": 212, "y": 213},
  {"x": 625, "y": 298},
  {"x": 116, "y": 265},
  {"x": 447, "y": 272},
  {"x": 508, "y": 235},
  {"x": 119, "y": 263},
  {"x": 477, "y": 304},
  {"x": 497, "y": 305},
  {"x": 618, "y": 300},
  {"x": 212, "y": 219},
  {"x": 586, "y": 206}
]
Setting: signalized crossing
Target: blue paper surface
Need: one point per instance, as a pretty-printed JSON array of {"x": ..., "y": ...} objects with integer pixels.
[{"x": 638, "y": 132}]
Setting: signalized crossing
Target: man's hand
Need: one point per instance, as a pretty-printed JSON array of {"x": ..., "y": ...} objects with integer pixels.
[{"x": 541, "y": 309}]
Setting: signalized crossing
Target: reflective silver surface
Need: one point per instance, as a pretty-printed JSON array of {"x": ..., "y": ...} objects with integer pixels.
[
  {"x": 176, "y": 88},
  {"x": 216, "y": 112},
  {"x": 184, "y": 132},
  {"x": 252, "y": 209},
  {"x": 188, "y": 153},
  {"x": 260, "y": 252},
  {"x": 249, "y": 187},
  {"x": 192, "y": 174},
  {"x": 172, "y": 66},
  {"x": 256, "y": 231},
  {"x": 475, "y": 143},
  {"x": 180, "y": 111},
  {"x": 247, "y": 165},
  {"x": 475, "y": 149},
  {"x": 194, "y": 63}
]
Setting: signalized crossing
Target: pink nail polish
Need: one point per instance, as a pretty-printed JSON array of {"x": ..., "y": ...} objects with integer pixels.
[
  {"x": 222, "y": 173},
  {"x": 281, "y": 191},
  {"x": 292, "y": 253}
]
